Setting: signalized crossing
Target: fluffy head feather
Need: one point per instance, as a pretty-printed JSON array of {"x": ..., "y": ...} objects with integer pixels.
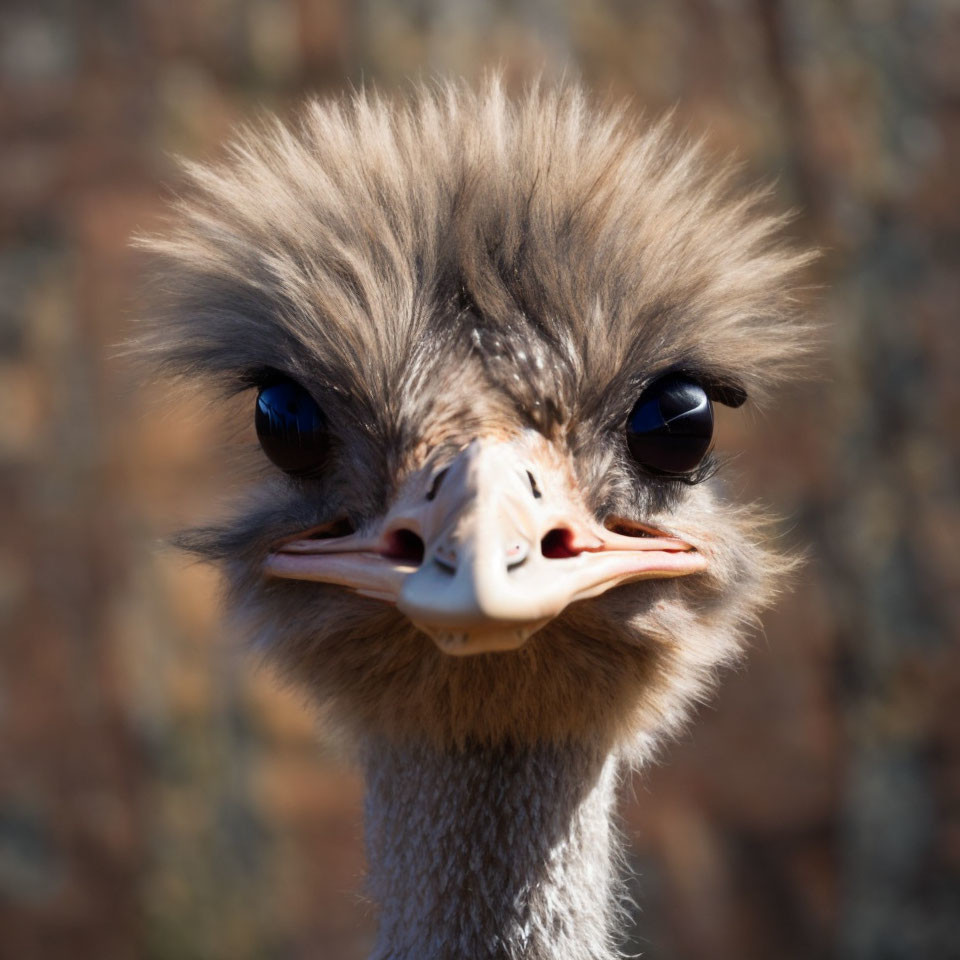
[{"x": 460, "y": 263}]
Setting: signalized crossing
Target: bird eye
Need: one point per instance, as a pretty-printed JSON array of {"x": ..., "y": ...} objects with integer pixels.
[
  {"x": 291, "y": 428},
  {"x": 670, "y": 427}
]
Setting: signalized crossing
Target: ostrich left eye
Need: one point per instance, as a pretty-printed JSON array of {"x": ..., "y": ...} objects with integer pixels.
[
  {"x": 291, "y": 428},
  {"x": 670, "y": 427}
]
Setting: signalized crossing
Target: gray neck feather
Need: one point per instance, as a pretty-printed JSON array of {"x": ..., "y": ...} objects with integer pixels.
[{"x": 502, "y": 853}]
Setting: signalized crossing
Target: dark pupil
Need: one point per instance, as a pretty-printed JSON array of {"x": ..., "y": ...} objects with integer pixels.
[
  {"x": 291, "y": 427},
  {"x": 670, "y": 427}
]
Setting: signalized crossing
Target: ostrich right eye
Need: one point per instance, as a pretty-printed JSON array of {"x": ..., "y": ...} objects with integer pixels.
[
  {"x": 670, "y": 427},
  {"x": 291, "y": 428}
]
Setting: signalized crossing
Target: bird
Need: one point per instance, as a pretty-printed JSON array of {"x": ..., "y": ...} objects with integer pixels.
[{"x": 482, "y": 336}]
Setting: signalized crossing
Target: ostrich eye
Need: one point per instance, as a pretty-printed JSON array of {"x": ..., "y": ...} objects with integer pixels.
[
  {"x": 291, "y": 428},
  {"x": 670, "y": 427}
]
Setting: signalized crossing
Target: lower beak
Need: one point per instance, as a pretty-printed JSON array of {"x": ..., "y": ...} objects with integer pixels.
[{"x": 485, "y": 552}]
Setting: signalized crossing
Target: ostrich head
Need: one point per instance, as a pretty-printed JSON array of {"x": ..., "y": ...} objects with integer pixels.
[{"x": 483, "y": 340}]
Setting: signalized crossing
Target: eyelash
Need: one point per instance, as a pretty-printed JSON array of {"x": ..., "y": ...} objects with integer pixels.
[{"x": 707, "y": 469}]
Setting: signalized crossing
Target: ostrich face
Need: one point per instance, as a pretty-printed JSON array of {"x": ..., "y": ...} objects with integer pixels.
[{"x": 485, "y": 340}]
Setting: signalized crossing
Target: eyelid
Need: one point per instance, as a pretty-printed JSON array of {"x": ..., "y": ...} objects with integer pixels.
[
  {"x": 263, "y": 377},
  {"x": 719, "y": 387},
  {"x": 259, "y": 378},
  {"x": 635, "y": 388}
]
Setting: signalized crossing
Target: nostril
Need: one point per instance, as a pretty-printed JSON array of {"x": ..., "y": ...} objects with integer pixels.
[
  {"x": 558, "y": 544},
  {"x": 534, "y": 489},
  {"x": 405, "y": 546},
  {"x": 435, "y": 486}
]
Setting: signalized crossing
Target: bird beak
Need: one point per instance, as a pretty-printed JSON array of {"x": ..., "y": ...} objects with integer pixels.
[{"x": 486, "y": 551}]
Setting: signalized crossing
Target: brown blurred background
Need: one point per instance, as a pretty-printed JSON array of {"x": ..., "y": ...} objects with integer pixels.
[{"x": 161, "y": 797}]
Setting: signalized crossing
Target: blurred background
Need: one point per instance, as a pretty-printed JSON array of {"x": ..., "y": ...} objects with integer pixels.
[{"x": 162, "y": 797}]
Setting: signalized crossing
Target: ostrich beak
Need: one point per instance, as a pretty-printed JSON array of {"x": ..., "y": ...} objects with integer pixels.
[{"x": 485, "y": 552}]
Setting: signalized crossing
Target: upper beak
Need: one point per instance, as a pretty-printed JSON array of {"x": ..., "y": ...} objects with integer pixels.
[{"x": 483, "y": 553}]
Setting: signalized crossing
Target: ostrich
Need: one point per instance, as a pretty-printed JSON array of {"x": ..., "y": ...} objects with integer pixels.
[{"x": 485, "y": 337}]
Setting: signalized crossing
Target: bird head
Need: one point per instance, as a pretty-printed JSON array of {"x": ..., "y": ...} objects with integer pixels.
[{"x": 483, "y": 340}]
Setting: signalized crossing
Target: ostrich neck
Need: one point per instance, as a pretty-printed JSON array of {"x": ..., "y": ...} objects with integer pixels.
[{"x": 492, "y": 853}]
